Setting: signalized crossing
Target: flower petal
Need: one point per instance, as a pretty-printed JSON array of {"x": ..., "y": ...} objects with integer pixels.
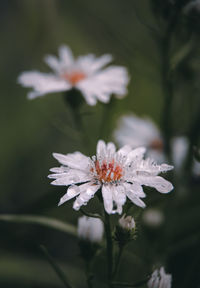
[
  {"x": 72, "y": 191},
  {"x": 107, "y": 198},
  {"x": 87, "y": 191},
  {"x": 157, "y": 182},
  {"x": 42, "y": 83},
  {"x": 74, "y": 160}
]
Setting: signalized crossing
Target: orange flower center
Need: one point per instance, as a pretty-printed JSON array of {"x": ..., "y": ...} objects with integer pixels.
[
  {"x": 157, "y": 144},
  {"x": 74, "y": 77},
  {"x": 108, "y": 172}
]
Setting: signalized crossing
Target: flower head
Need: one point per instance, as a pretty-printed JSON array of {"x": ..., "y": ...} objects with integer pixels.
[
  {"x": 160, "y": 279},
  {"x": 136, "y": 131},
  {"x": 119, "y": 174},
  {"x": 85, "y": 73},
  {"x": 90, "y": 229}
]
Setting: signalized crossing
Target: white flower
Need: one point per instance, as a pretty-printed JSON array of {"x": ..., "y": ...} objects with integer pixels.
[
  {"x": 127, "y": 222},
  {"x": 153, "y": 217},
  {"x": 84, "y": 73},
  {"x": 90, "y": 229},
  {"x": 159, "y": 279},
  {"x": 119, "y": 174},
  {"x": 193, "y": 5},
  {"x": 180, "y": 149},
  {"x": 136, "y": 131}
]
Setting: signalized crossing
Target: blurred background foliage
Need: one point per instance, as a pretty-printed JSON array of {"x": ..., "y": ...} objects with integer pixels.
[{"x": 133, "y": 32}]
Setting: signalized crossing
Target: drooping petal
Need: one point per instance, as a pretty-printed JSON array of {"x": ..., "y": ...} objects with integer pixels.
[
  {"x": 119, "y": 197},
  {"x": 157, "y": 182},
  {"x": 107, "y": 198},
  {"x": 72, "y": 191},
  {"x": 135, "y": 188},
  {"x": 86, "y": 191},
  {"x": 42, "y": 83}
]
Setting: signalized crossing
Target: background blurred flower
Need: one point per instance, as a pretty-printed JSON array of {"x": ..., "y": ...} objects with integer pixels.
[
  {"x": 137, "y": 131},
  {"x": 90, "y": 229},
  {"x": 84, "y": 73},
  {"x": 160, "y": 279},
  {"x": 153, "y": 217},
  {"x": 119, "y": 174}
]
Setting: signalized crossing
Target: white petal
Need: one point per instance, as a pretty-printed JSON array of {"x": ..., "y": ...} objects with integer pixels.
[
  {"x": 135, "y": 188},
  {"x": 87, "y": 191},
  {"x": 42, "y": 83},
  {"x": 124, "y": 150},
  {"x": 74, "y": 160},
  {"x": 135, "y": 199},
  {"x": 72, "y": 176},
  {"x": 111, "y": 147},
  {"x": 72, "y": 191},
  {"x": 119, "y": 197},
  {"x": 107, "y": 198},
  {"x": 66, "y": 56},
  {"x": 53, "y": 63},
  {"x": 101, "y": 147},
  {"x": 136, "y": 154},
  {"x": 148, "y": 166},
  {"x": 157, "y": 182},
  {"x": 90, "y": 64}
]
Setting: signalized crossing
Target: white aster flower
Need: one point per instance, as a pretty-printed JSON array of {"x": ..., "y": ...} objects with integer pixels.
[
  {"x": 127, "y": 223},
  {"x": 90, "y": 229},
  {"x": 85, "y": 73},
  {"x": 119, "y": 174},
  {"x": 160, "y": 279},
  {"x": 136, "y": 131},
  {"x": 153, "y": 217}
]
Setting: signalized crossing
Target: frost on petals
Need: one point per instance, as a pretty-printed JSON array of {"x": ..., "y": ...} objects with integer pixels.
[
  {"x": 86, "y": 73},
  {"x": 119, "y": 174}
]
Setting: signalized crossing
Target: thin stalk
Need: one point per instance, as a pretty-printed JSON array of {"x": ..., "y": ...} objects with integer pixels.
[
  {"x": 109, "y": 248},
  {"x": 56, "y": 268},
  {"x": 121, "y": 248},
  {"x": 167, "y": 83},
  {"x": 88, "y": 275}
]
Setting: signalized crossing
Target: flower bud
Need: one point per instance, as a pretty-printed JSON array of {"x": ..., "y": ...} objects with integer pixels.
[
  {"x": 127, "y": 222},
  {"x": 90, "y": 229},
  {"x": 160, "y": 279}
]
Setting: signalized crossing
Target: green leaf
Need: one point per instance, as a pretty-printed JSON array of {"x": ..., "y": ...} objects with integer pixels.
[{"x": 40, "y": 220}]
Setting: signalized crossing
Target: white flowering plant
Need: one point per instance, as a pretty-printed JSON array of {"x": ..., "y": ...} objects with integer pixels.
[{"x": 120, "y": 136}]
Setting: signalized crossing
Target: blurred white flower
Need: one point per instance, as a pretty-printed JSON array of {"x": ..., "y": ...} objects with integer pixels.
[
  {"x": 159, "y": 279},
  {"x": 119, "y": 174},
  {"x": 180, "y": 149},
  {"x": 136, "y": 131},
  {"x": 127, "y": 222},
  {"x": 90, "y": 229},
  {"x": 193, "y": 5},
  {"x": 85, "y": 73},
  {"x": 153, "y": 217}
]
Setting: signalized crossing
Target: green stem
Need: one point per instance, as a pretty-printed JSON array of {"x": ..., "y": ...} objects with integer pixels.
[
  {"x": 121, "y": 248},
  {"x": 109, "y": 248},
  {"x": 55, "y": 267},
  {"x": 89, "y": 275},
  {"x": 167, "y": 83}
]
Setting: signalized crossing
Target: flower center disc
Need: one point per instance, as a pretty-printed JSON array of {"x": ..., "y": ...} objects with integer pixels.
[
  {"x": 108, "y": 172},
  {"x": 157, "y": 144},
  {"x": 74, "y": 77}
]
